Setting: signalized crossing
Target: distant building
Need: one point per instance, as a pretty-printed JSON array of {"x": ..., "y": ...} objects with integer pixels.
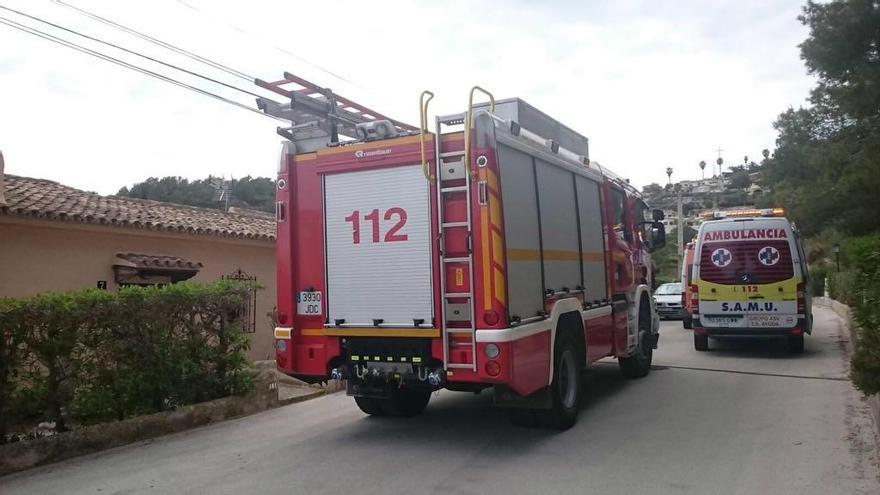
[{"x": 57, "y": 238}]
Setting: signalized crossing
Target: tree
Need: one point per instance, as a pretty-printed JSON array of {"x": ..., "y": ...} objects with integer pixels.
[
  {"x": 739, "y": 179},
  {"x": 825, "y": 167},
  {"x": 250, "y": 192}
]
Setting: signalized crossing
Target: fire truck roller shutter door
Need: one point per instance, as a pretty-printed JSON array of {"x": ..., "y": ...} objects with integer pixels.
[
  {"x": 378, "y": 243},
  {"x": 592, "y": 239},
  {"x": 521, "y": 232},
  {"x": 559, "y": 227}
]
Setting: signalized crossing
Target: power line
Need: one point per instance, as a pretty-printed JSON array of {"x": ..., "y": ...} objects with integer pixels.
[
  {"x": 132, "y": 52},
  {"x": 88, "y": 51},
  {"x": 274, "y": 46},
  {"x": 156, "y": 41}
]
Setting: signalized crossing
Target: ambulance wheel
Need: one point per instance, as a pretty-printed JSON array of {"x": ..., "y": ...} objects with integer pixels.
[
  {"x": 796, "y": 344},
  {"x": 370, "y": 406},
  {"x": 639, "y": 363},
  {"x": 565, "y": 391},
  {"x": 701, "y": 342},
  {"x": 406, "y": 402}
]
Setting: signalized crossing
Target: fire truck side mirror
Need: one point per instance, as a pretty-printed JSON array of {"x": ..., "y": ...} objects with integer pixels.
[
  {"x": 658, "y": 236},
  {"x": 658, "y": 215}
]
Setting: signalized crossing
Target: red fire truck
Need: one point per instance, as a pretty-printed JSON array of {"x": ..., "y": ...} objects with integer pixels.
[{"x": 491, "y": 253}]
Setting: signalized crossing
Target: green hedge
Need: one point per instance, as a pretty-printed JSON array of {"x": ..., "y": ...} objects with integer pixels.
[
  {"x": 91, "y": 356},
  {"x": 864, "y": 296}
]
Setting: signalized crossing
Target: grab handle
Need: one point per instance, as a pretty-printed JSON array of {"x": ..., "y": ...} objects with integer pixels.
[{"x": 423, "y": 127}]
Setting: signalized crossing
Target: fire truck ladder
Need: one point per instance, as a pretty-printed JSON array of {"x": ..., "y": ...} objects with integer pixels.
[
  {"x": 319, "y": 113},
  {"x": 453, "y": 175}
]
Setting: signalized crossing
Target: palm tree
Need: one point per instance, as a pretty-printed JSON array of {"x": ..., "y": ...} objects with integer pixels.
[
  {"x": 703, "y": 168},
  {"x": 669, "y": 174}
]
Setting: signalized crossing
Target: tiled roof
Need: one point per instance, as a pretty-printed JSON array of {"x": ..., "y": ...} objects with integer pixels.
[
  {"x": 40, "y": 198},
  {"x": 156, "y": 261}
]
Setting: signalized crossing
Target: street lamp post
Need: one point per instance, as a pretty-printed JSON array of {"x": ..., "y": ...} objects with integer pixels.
[{"x": 836, "y": 250}]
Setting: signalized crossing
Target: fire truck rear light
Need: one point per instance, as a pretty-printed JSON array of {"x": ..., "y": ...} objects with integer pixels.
[
  {"x": 492, "y": 351},
  {"x": 493, "y": 368},
  {"x": 491, "y": 317}
]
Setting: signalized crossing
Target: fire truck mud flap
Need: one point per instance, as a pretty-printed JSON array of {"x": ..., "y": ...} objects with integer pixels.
[{"x": 505, "y": 397}]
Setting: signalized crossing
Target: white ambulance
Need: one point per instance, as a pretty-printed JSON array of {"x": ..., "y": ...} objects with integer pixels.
[{"x": 750, "y": 279}]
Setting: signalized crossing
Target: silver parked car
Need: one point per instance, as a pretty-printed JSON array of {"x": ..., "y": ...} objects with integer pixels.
[{"x": 667, "y": 297}]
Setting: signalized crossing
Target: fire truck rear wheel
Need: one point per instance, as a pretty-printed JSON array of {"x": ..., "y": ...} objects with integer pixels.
[
  {"x": 565, "y": 391},
  {"x": 406, "y": 402},
  {"x": 639, "y": 364},
  {"x": 370, "y": 406}
]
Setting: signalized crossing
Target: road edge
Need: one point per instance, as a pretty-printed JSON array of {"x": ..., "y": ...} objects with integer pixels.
[{"x": 846, "y": 315}]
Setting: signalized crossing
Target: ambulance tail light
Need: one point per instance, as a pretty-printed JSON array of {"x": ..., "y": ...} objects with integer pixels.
[
  {"x": 801, "y": 298},
  {"x": 695, "y": 296}
]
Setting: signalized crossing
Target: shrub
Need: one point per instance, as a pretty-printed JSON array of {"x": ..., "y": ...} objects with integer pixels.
[
  {"x": 91, "y": 356},
  {"x": 842, "y": 286},
  {"x": 864, "y": 254},
  {"x": 817, "y": 282}
]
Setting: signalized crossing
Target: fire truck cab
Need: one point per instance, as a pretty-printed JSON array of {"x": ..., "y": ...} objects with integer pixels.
[{"x": 491, "y": 253}]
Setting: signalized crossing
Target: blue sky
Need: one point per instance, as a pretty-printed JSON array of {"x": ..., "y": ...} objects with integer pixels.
[{"x": 652, "y": 84}]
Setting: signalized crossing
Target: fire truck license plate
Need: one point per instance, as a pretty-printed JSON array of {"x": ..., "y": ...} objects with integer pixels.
[{"x": 308, "y": 303}]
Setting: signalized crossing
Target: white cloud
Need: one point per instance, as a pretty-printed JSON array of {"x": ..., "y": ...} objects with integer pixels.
[{"x": 652, "y": 84}]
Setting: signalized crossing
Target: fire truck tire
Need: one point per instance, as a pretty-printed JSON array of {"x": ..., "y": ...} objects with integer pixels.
[
  {"x": 370, "y": 406},
  {"x": 796, "y": 344},
  {"x": 639, "y": 364},
  {"x": 406, "y": 402},
  {"x": 565, "y": 391},
  {"x": 701, "y": 342}
]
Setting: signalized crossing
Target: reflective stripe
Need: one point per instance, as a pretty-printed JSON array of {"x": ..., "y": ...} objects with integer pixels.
[{"x": 523, "y": 331}]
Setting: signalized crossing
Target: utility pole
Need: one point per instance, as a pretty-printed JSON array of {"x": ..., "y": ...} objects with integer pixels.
[{"x": 680, "y": 233}]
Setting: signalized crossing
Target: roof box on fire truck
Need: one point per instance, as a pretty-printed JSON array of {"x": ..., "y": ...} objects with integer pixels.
[{"x": 529, "y": 117}]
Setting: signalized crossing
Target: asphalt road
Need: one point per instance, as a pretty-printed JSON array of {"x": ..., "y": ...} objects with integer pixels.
[{"x": 744, "y": 418}]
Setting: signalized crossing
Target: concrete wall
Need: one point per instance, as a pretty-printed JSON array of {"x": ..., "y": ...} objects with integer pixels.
[{"x": 43, "y": 255}]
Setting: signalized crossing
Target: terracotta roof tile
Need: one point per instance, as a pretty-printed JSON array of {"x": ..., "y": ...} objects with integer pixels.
[
  {"x": 156, "y": 261},
  {"x": 40, "y": 198}
]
